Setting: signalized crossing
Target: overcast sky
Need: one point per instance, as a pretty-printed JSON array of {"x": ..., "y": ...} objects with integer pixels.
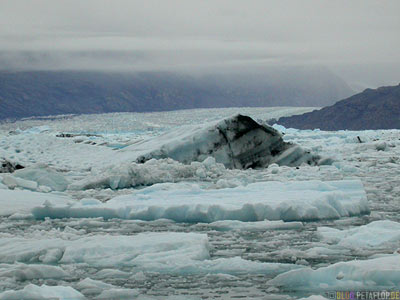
[{"x": 127, "y": 34}]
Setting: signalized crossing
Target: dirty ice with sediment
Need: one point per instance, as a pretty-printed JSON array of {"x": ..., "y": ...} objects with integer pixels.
[{"x": 195, "y": 204}]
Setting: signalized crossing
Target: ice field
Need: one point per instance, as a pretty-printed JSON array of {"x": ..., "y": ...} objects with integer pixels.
[{"x": 84, "y": 220}]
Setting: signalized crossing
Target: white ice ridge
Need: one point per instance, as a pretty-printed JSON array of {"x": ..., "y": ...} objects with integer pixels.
[
  {"x": 170, "y": 252},
  {"x": 34, "y": 292},
  {"x": 372, "y": 274},
  {"x": 372, "y": 235},
  {"x": 185, "y": 202}
]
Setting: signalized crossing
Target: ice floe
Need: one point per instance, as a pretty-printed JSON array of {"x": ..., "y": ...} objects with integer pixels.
[
  {"x": 21, "y": 271},
  {"x": 254, "y": 226},
  {"x": 185, "y": 202},
  {"x": 171, "y": 253},
  {"x": 372, "y": 235},
  {"x": 314, "y": 297},
  {"x": 22, "y": 201},
  {"x": 34, "y": 292},
  {"x": 43, "y": 175},
  {"x": 371, "y": 274}
]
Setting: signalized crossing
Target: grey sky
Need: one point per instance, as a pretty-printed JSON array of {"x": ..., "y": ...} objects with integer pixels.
[{"x": 164, "y": 34}]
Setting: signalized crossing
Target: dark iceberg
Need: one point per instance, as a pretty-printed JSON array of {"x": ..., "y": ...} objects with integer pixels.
[{"x": 238, "y": 142}]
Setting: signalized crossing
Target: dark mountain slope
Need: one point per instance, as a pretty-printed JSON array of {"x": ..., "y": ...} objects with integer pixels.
[
  {"x": 39, "y": 93},
  {"x": 371, "y": 109}
]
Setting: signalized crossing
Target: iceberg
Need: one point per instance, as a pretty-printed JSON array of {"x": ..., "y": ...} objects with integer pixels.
[
  {"x": 237, "y": 142},
  {"x": 187, "y": 202}
]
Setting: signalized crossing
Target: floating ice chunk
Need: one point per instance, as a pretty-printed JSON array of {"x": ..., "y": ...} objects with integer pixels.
[
  {"x": 106, "y": 251},
  {"x": 43, "y": 175},
  {"x": 15, "y": 201},
  {"x": 372, "y": 274},
  {"x": 237, "y": 265},
  {"x": 172, "y": 253},
  {"x": 380, "y": 146},
  {"x": 13, "y": 182},
  {"x": 112, "y": 273},
  {"x": 254, "y": 226},
  {"x": 171, "y": 297},
  {"x": 374, "y": 234},
  {"x": 88, "y": 283},
  {"x": 36, "y": 130},
  {"x": 34, "y": 292},
  {"x": 314, "y": 297},
  {"x": 323, "y": 252},
  {"x": 118, "y": 294},
  {"x": 90, "y": 287},
  {"x": 32, "y": 271},
  {"x": 143, "y": 249},
  {"x": 237, "y": 142},
  {"x": 20, "y": 216},
  {"x": 287, "y": 201}
]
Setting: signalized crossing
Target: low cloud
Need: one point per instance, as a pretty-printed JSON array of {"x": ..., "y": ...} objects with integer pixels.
[{"x": 197, "y": 35}]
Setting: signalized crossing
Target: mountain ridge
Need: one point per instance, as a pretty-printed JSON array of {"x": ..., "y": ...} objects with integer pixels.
[
  {"x": 371, "y": 109},
  {"x": 41, "y": 93}
]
